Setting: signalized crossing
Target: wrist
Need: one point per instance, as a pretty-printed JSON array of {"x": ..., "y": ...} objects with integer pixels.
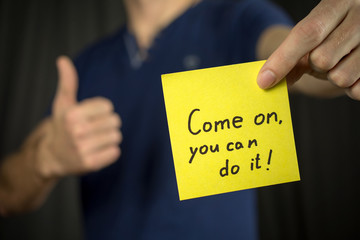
[{"x": 46, "y": 165}]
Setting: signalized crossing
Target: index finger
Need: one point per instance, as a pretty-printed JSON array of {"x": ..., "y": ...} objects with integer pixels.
[
  {"x": 90, "y": 109},
  {"x": 303, "y": 38}
]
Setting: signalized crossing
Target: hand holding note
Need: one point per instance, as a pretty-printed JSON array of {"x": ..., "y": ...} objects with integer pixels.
[{"x": 325, "y": 44}]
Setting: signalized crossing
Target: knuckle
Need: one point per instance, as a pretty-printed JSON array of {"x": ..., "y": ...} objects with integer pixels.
[
  {"x": 105, "y": 103},
  {"x": 98, "y": 160},
  {"x": 354, "y": 91},
  {"x": 321, "y": 61},
  {"x": 353, "y": 95},
  {"x": 77, "y": 130},
  {"x": 356, "y": 96},
  {"x": 117, "y": 120},
  {"x": 115, "y": 153},
  {"x": 312, "y": 32},
  {"x": 116, "y": 136},
  {"x": 88, "y": 163},
  {"x": 340, "y": 78}
]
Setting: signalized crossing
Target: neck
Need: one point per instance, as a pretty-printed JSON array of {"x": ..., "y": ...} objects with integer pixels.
[{"x": 146, "y": 18}]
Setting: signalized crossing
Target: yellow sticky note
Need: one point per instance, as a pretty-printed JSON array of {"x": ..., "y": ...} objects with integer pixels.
[{"x": 226, "y": 133}]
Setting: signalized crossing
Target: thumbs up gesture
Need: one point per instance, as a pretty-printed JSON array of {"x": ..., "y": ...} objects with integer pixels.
[{"x": 83, "y": 136}]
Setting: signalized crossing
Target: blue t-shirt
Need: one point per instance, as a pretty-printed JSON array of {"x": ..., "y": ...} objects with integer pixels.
[{"x": 136, "y": 197}]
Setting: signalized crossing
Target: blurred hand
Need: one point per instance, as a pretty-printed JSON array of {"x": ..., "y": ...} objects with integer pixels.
[
  {"x": 84, "y": 136},
  {"x": 325, "y": 44}
]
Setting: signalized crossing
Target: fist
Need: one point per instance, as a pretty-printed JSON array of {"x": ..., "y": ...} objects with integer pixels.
[{"x": 83, "y": 136}]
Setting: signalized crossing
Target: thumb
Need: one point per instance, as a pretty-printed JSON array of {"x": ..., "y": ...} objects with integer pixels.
[
  {"x": 304, "y": 37},
  {"x": 66, "y": 92}
]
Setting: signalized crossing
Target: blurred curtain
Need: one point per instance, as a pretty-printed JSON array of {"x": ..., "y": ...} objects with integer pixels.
[
  {"x": 323, "y": 205},
  {"x": 32, "y": 34}
]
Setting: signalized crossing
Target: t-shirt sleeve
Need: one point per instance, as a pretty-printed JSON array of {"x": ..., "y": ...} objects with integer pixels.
[{"x": 253, "y": 18}]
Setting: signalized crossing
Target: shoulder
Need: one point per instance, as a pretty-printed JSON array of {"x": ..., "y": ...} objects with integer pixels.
[
  {"x": 230, "y": 14},
  {"x": 101, "y": 50},
  {"x": 239, "y": 7}
]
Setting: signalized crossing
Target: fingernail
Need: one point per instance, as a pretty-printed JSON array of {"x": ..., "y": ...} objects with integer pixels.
[{"x": 266, "y": 79}]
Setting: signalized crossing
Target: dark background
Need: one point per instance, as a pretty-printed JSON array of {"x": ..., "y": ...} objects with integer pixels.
[{"x": 323, "y": 205}]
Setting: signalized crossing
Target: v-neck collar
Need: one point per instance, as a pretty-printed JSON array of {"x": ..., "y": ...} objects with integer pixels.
[{"x": 132, "y": 48}]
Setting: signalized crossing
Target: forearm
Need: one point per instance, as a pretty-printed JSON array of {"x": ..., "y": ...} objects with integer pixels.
[{"x": 22, "y": 186}]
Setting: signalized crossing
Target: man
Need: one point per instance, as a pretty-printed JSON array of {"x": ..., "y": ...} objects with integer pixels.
[{"x": 136, "y": 197}]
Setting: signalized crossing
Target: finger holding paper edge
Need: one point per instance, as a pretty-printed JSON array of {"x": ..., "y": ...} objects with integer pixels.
[{"x": 303, "y": 38}]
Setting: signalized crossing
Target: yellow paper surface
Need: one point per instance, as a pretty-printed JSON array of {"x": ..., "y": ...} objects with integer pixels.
[{"x": 226, "y": 133}]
